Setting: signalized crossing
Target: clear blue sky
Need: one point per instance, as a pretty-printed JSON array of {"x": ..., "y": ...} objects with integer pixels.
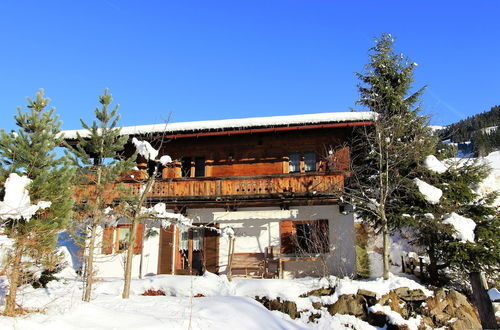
[{"x": 203, "y": 60}]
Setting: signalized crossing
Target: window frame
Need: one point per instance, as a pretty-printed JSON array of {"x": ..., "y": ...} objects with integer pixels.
[{"x": 290, "y": 242}]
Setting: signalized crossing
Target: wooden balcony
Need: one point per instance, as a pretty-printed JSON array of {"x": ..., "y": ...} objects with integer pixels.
[{"x": 277, "y": 186}]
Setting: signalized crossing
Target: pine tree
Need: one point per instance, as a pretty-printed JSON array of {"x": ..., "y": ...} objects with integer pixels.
[
  {"x": 444, "y": 249},
  {"x": 99, "y": 153},
  {"x": 399, "y": 138},
  {"x": 31, "y": 152}
]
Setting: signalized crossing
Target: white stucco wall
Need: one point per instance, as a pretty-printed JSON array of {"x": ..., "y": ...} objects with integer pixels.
[
  {"x": 252, "y": 235},
  {"x": 113, "y": 265}
]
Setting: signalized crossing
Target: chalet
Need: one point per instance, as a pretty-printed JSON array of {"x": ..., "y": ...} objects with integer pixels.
[{"x": 275, "y": 181}]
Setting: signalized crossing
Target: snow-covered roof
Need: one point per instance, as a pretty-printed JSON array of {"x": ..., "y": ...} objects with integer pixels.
[{"x": 243, "y": 123}]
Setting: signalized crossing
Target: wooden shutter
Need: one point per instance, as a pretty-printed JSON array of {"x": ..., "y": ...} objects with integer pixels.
[
  {"x": 211, "y": 248},
  {"x": 138, "y": 239},
  {"x": 322, "y": 235},
  {"x": 341, "y": 159},
  {"x": 287, "y": 236},
  {"x": 107, "y": 240},
  {"x": 166, "y": 250}
]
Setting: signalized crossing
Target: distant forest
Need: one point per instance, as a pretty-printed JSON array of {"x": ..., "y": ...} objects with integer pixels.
[{"x": 481, "y": 129}]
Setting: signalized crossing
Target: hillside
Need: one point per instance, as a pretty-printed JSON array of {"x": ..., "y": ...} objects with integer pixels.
[{"x": 480, "y": 129}]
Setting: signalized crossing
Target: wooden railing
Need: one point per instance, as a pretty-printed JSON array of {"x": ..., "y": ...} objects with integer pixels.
[{"x": 212, "y": 188}]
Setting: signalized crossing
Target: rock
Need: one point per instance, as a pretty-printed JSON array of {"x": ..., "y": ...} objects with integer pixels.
[
  {"x": 350, "y": 304},
  {"x": 377, "y": 319},
  {"x": 319, "y": 292},
  {"x": 288, "y": 307},
  {"x": 451, "y": 309},
  {"x": 314, "y": 316},
  {"x": 317, "y": 305},
  {"x": 367, "y": 293},
  {"x": 370, "y": 296},
  {"x": 392, "y": 300},
  {"x": 410, "y": 295}
]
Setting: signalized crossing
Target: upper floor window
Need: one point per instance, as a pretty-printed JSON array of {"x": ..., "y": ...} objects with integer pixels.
[
  {"x": 294, "y": 163},
  {"x": 199, "y": 166},
  {"x": 310, "y": 162},
  {"x": 186, "y": 167}
]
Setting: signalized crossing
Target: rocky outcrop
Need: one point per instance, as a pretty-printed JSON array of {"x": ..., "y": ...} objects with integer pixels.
[
  {"x": 402, "y": 308},
  {"x": 450, "y": 309}
]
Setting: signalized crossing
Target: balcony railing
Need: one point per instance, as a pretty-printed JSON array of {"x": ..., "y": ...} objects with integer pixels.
[{"x": 244, "y": 187}]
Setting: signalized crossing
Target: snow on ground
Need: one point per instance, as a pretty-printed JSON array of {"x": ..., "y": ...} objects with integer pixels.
[
  {"x": 395, "y": 318},
  {"x": 379, "y": 286},
  {"x": 492, "y": 181},
  {"x": 220, "y": 304}
]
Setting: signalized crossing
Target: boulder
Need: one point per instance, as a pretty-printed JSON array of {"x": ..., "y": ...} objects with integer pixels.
[
  {"x": 452, "y": 309},
  {"x": 350, "y": 304},
  {"x": 370, "y": 296},
  {"x": 410, "y": 295},
  {"x": 392, "y": 300},
  {"x": 287, "y": 307}
]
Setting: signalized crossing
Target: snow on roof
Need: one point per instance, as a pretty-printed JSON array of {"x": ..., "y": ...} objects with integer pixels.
[{"x": 207, "y": 125}]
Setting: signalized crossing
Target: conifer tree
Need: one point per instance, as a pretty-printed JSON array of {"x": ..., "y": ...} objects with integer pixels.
[
  {"x": 99, "y": 153},
  {"x": 444, "y": 246},
  {"x": 397, "y": 141},
  {"x": 30, "y": 151}
]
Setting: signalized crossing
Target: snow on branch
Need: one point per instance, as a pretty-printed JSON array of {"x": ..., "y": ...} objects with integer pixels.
[
  {"x": 16, "y": 204},
  {"x": 435, "y": 165},
  {"x": 431, "y": 194},
  {"x": 463, "y": 227},
  {"x": 159, "y": 212},
  {"x": 145, "y": 149}
]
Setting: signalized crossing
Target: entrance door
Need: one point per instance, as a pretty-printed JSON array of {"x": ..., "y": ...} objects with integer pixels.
[{"x": 188, "y": 251}]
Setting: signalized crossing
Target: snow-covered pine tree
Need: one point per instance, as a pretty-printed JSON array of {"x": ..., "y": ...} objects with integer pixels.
[
  {"x": 459, "y": 231},
  {"x": 101, "y": 162},
  {"x": 398, "y": 140},
  {"x": 30, "y": 151}
]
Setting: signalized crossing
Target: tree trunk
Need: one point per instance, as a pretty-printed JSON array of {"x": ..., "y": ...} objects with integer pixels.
[
  {"x": 135, "y": 225},
  {"x": 482, "y": 302},
  {"x": 385, "y": 252},
  {"x": 89, "y": 267},
  {"x": 128, "y": 263},
  {"x": 142, "y": 250},
  {"x": 432, "y": 268},
  {"x": 13, "y": 276},
  {"x": 385, "y": 246}
]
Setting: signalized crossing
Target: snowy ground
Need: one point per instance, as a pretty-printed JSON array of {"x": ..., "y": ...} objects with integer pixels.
[{"x": 224, "y": 304}]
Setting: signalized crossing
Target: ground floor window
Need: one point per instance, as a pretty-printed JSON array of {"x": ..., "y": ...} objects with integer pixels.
[
  {"x": 115, "y": 239},
  {"x": 304, "y": 237}
]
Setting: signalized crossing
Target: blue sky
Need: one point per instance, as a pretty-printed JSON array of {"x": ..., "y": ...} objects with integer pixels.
[{"x": 201, "y": 60}]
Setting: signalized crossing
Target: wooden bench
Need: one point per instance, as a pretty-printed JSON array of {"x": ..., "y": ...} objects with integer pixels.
[{"x": 248, "y": 265}]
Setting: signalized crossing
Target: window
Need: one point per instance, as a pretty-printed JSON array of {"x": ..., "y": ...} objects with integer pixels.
[
  {"x": 310, "y": 162},
  {"x": 186, "y": 167},
  {"x": 294, "y": 163},
  {"x": 304, "y": 237},
  {"x": 199, "y": 166},
  {"x": 121, "y": 239}
]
